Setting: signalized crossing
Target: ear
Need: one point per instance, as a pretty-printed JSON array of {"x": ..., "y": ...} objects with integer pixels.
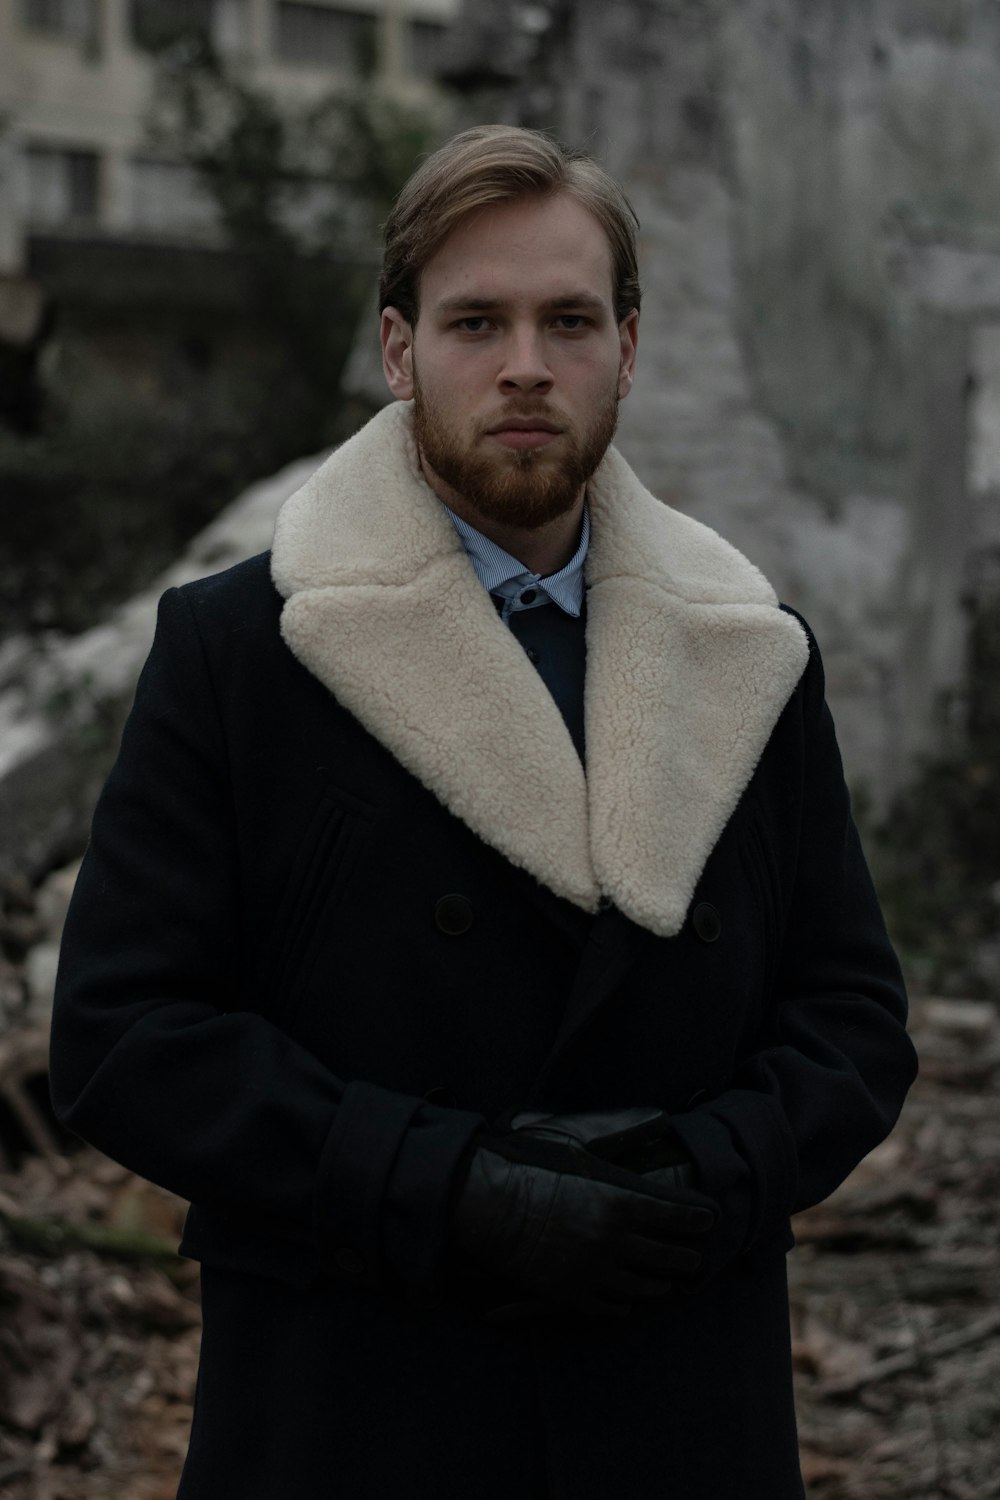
[
  {"x": 397, "y": 353},
  {"x": 628, "y": 333}
]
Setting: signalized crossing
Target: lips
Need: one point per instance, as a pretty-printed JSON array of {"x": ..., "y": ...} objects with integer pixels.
[
  {"x": 524, "y": 432},
  {"x": 524, "y": 424},
  {"x": 520, "y": 437}
]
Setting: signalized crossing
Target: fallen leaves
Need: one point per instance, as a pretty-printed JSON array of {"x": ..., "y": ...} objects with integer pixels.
[
  {"x": 99, "y": 1332},
  {"x": 895, "y": 1289}
]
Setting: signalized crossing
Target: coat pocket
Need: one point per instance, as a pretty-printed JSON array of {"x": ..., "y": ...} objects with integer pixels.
[
  {"x": 318, "y": 877},
  {"x": 760, "y": 869}
]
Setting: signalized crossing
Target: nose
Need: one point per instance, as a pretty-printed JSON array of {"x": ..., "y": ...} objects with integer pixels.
[{"x": 524, "y": 366}]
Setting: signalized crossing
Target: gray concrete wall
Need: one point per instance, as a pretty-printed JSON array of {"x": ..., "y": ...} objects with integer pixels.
[{"x": 819, "y": 186}]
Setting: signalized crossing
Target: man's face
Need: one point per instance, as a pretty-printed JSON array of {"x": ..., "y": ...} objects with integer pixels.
[{"x": 517, "y": 362}]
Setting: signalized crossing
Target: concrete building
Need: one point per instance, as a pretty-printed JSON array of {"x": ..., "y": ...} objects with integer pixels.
[
  {"x": 116, "y": 281},
  {"x": 75, "y": 89}
]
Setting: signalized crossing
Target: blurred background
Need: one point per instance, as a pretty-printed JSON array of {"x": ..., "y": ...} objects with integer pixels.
[{"x": 190, "y": 200}]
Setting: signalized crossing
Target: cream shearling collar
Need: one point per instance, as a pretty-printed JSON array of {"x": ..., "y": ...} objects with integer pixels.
[{"x": 689, "y": 664}]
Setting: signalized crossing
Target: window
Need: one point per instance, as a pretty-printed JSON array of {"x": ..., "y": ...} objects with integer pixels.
[
  {"x": 74, "y": 19},
  {"x": 157, "y": 23},
  {"x": 62, "y": 187},
  {"x": 166, "y": 198},
  {"x": 229, "y": 26},
  {"x": 324, "y": 36},
  {"x": 427, "y": 47}
]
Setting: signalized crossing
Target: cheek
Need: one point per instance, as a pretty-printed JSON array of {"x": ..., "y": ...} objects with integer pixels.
[
  {"x": 592, "y": 371},
  {"x": 449, "y": 382},
  {"x": 597, "y": 386}
]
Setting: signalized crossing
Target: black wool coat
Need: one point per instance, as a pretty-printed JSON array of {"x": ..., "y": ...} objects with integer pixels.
[{"x": 350, "y": 895}]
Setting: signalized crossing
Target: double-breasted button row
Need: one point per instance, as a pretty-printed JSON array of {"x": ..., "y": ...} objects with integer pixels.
[
  {"x": 350, "y": 1262},
  {"x": 706, "y": 922},
  {"x": 453, "y": 914},
  {"x": 442, "y": 1096}
]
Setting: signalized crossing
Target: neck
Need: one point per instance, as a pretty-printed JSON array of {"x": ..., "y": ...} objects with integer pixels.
[{"x": 543, "y": 549}]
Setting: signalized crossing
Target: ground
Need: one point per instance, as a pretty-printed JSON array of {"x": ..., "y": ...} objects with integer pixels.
[{"x": 894, "y": 1293}]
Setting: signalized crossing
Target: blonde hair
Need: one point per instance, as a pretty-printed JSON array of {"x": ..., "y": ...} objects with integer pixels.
[{"x": 497, "y": 164}]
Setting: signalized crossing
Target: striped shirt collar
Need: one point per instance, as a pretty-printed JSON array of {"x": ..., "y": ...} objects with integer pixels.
[{"x": 509, "y": 580}]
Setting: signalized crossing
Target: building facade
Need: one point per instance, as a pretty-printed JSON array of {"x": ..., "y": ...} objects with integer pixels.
[{"x": 75, "y": 89}]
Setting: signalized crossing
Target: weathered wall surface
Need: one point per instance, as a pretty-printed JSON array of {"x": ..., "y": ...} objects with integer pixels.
[{"x": 819, "y": 187}]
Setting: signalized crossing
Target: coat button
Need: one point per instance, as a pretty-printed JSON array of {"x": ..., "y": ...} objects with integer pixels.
[
  {"x": 445, "y": 1098},
  {"x": 706, "y": 922},
  {"x": 351, "y": 1262},
  {"x": 453, "y": 915}
]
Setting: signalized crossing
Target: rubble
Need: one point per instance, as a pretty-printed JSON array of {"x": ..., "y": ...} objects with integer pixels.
[
  {"x": 895, "y": 1288},
  {"x": 99, "y": 1330},
  {"x": 63, "y": 699}
]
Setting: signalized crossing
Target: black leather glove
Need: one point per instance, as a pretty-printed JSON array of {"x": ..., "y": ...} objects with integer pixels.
[
  {"x": 641, "y": 1139},
  {"x": 563, "y": 1224}
]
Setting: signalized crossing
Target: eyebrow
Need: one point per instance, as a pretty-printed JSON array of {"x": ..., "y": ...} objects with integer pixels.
[{"x": 587, "y": 300}]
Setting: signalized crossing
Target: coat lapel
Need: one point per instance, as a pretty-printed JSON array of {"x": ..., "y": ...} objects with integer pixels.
[
  {"x": 383, "y": 606},
  {"x": 689, "y": 663}
]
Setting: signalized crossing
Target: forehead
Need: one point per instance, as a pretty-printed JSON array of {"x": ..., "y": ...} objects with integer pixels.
[{"x": 528, "y": 248}]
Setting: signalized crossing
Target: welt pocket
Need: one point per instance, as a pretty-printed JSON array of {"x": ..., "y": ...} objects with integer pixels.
[
  {"x": 323, "y": 863},
  {"x": 759, "y": 868}
]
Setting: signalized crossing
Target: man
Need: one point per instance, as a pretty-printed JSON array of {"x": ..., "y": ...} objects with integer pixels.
[{"x": 474, "y": 928}]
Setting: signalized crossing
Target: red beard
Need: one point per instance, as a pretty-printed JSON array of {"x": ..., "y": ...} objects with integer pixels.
[{"x": 523, "y": 488}]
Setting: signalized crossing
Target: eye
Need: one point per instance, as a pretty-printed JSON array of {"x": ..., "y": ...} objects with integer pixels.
[
  {"x": 476, "y": 323},
  {"x": 572, "y": 322}
]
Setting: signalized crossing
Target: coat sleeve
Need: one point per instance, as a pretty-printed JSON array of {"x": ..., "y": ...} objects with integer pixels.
[
  {"x": 152, "y": 1059},
  {"x": 829, "y": 1079}
]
